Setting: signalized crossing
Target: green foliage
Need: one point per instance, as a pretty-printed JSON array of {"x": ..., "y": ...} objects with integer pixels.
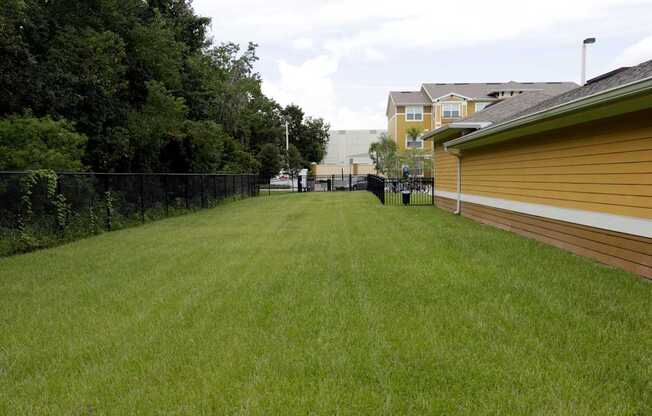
[
  {"x": 417, "y": 160},
  {"x": 151, "y": 127},
  {"x": 294, "y": 161},
  {"x": 156, "y": 53},
  {"x": 109, "y": 199},
  {"x": 309, "y": 135},
  {"x": 26, "y": 240},
  {"x": 28, "y": 142},
  {"x": 384, "y": 155},
  {"x": 144, "y": 83},
  {"x": 413, "y": 132},
  {"x": 269, "y": 159}
]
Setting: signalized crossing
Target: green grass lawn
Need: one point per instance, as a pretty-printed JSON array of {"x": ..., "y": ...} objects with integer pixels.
[{"x": 323, "y": 303}]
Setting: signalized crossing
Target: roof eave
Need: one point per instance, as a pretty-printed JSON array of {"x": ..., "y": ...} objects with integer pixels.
[
  {"x": 452, "y": 129},
  {"x": 601, "y": 98}
]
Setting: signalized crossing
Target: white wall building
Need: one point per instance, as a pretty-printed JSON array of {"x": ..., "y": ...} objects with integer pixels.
[{"x": 345, "y": 145}]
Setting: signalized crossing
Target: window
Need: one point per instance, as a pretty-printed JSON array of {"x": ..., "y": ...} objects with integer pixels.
[
  {"x": 411, "y": 143},
  {"x": 451, "y": 110},
  {"x": 481, "y": 106},
  {"x": 414, "y": 113}
]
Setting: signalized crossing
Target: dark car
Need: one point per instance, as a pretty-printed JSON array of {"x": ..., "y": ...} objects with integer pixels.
[{"x": 359, "y": 183}]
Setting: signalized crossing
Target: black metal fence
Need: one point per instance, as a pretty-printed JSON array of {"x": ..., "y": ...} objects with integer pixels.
[
  {"x": 40, "y": 208},
  {"x": 403, "y": 191},
  {"x": 342, "y": 182}
]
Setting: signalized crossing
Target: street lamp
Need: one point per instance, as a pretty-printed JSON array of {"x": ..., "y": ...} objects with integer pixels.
[{"x": 587, "y": 41}]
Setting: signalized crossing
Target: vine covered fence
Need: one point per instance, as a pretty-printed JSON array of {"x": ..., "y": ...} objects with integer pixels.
[{"x": 44, "y": 208}]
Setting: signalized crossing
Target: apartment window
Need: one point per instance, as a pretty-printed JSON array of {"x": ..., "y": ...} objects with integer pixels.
[
  {"x": 480, "y": 106},
  {"x": 411, "y": 143},
  {"x": 451, "y": 110},
  {"x": 414, "y": 113}
]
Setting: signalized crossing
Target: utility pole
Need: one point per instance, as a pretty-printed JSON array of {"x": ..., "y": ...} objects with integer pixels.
[
  {"x": 287, "y": 137},
  {"x": 287, "y": 154},
  {"x": 587, "y": 41}
]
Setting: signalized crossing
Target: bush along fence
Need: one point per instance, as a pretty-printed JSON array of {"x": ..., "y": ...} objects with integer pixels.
[
  {"x": 402, "y": 191},
  {"x": 43, "y": 208}
]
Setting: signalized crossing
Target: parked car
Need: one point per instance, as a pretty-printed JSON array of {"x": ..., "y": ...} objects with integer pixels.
[{"x": 359, "y": 183}]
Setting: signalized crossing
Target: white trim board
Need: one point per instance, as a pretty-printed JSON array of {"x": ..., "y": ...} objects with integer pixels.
[{"x": 629, "y": 225}]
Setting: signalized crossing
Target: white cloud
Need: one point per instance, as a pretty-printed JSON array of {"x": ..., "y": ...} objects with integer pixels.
[
  {"x": 311, "y": 86},
  {"x": 308, "y": 84},
  {"x": 302, "y": 43},
  {"x": 346, "y": 27},
  {"x": 373, "y": 54},
  {"x": 343, "y": 35},
  {"x": 639, "y": 52}
]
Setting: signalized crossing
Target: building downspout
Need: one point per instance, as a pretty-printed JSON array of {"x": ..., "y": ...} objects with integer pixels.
[{"x": 458, "y": 208}]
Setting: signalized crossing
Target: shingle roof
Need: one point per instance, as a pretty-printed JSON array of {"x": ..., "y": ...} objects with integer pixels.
[
  {"x": 613, "y": 84},
  {"x": 482, "y": 90},
  {"x": 409, "y": 97},
  {"x": 505, "y": 109},
  {"x": 604, "y": 82}
]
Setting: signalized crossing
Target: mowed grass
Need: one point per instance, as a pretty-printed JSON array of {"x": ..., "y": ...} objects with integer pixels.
[{"x": 320, "y": 304}]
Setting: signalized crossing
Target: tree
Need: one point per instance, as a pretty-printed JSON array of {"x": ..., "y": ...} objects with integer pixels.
[
  {"x": 28, "y": 142},
  {"x": 383, "y": 154},
  {"x": 293, "y": 161},
  {"x": 413, "y": 132},
  {"x": 270, "y": 161},
  {"x": 309, "y": 135},
  {"x": 414, "y": 160},
  {"x": 143, "y": 81},
  {"x": 414, "y": 157},
  {"x": 153, "y": 126}
]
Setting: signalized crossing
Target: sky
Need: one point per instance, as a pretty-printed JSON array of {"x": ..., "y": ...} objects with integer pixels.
[{"x": 338, "y": 59}]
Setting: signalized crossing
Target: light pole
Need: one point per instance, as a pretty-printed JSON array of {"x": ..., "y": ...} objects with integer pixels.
[
  {"x": 587, "y": 41},
  {"x": 287, "y": 137}
]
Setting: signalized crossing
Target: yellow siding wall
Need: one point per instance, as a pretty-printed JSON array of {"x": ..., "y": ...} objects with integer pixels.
[
  {"x": 399, "y": 130},
  {"x": 445, "y": 170},
  {"x": 603, "y": 167}
]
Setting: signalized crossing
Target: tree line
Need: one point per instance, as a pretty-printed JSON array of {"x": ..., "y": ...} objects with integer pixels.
[{"x": 137, "y": 86}]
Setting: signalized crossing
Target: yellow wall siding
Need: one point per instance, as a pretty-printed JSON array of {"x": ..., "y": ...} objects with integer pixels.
[
  {"x": 445, "y": 170},
  {"x": 603, "y": 167},
  {"x": 470, "y": 108},
  {"x": 403, "y": 125}
]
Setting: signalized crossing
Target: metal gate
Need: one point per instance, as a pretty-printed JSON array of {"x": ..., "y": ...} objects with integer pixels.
[
  {"x": 403, "y": 191},
  {"x": 332, "y": 183}
]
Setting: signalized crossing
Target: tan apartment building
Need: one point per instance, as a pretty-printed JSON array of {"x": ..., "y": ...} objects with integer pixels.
[{"x": 437, "y": 104}]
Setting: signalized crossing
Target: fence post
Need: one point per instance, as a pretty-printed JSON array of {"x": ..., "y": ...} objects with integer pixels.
[
  {"x": 332, "y": 182},
  {"x": 201, "y": 202},
  {"x": 142, "y": 198},
  {"x": 214, "y": 189},
  {"x": 432, "y": 190},
  {"x": 350, "y": 182},
  {"x": 186, "y": 193},
  {"x": 165, "y": 192},
  {"x": 382, "y": 191}
]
